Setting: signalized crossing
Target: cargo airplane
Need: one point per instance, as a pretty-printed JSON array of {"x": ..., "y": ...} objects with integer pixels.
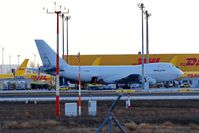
[
  {"x": 18, "y": 73},
  {"x": 159, "y": 72},
  {"x": 21, "y": 73}
]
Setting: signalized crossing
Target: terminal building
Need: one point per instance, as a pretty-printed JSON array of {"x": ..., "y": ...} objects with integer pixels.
[{"x": 188, "y": 63}]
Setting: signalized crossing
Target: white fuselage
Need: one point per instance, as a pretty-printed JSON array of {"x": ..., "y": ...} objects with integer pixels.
[{"x": 109, "y": 74}]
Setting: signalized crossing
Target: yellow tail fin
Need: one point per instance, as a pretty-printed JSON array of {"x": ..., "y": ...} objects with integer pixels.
[
  {"x": 96, "y": 62},
  {"x": 22, "y": 68},
  {"x": 174, "y": 60}
]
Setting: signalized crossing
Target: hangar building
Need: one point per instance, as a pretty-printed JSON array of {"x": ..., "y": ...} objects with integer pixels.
[{"x": 188, "y": 63}]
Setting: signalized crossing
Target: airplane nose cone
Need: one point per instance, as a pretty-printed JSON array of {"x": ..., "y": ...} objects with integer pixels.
[{"x": 180, "y": 73}]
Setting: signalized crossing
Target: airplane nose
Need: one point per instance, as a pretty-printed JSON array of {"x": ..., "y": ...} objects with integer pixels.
[{"x": 180, "y": 73}]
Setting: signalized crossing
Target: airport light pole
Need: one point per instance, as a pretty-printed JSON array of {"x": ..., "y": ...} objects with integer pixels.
[
  {"x": 141, "y": 6},
  {"x": 57, "y": 12},
  {"x": 67, "y": 18},
  {"x": 2, "y": 59},
  {"x": 62, "y": 16},
  {"x": 34, "y": 60},
  {"x": 147, "y": 36},
  {"x": 10, "y": 63},
  {"x": 18, "y": 59}
]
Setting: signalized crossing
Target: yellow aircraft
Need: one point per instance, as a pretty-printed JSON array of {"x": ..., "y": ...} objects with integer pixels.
[{"x": 19, "y": 72}]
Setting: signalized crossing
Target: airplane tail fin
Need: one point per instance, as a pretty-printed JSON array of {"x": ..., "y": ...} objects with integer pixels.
[
  {"x": 22, "y": 68},
  {"x": 47, "y": 54},
  {"x": 96, "y": 61},
  {"x": 174, "y": 60}
]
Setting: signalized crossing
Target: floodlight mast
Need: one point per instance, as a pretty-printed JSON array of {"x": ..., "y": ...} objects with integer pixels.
[
  {"x": 2, "y": 59},
  {"x": 57, "y": 12},
  {"x": 141, "y": 6},
  {"x": 18, "y": 59},
  {"x": 67, "y": 18},
  {"x": 10, "y": 63},
  {"x": 34, "y": 59},
  {"x": 62, "y": 16},
  {"x": 147, "y": 35}
]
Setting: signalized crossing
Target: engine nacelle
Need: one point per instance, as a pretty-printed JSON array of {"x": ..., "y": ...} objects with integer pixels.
[{"x": 151, "y": 81}]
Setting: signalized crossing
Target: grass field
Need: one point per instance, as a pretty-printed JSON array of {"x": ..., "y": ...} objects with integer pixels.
[{"x": 142, "y": 117}]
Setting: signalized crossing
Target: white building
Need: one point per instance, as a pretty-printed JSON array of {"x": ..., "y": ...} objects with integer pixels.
[{"x": 4, "y": 69}]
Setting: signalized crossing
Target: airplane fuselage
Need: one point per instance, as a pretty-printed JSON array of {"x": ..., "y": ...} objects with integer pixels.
[{"x": 109, "y": 74}]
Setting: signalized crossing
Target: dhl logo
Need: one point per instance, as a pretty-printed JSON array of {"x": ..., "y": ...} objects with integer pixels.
[
  {"x": 191, "y": 62},
  {"x": 42, "y": 77},
  {"x": 151, "y": 60},
  {"x": 192, "y": 75}
]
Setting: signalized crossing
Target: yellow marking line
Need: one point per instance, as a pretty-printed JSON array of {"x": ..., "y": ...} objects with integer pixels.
[
  {"x": 185, "y": 90},
  {"x": 125, "y": 91}
]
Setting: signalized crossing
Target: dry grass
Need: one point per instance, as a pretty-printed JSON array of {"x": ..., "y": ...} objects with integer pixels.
[
  {"x": 145, "y": 126},
  {"x": 131, "y": 126},
  {"x": 81, "y": 130},
  {"x": 10, "y": 124},
  {"x": 27, "y": 114},
  {"x": 40, "y": 118},
  {"x": 30, "y": 124},
  {"x": 49, "y": 123},
  {"x": 167, "y": 124},
  {"x": 115, "y": 129},
  {"x": 194, "y": 126}
]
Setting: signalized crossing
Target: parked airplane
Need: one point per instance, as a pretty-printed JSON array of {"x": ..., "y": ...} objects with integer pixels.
[
  {"x": 106, "y": 74},
  {"x": 21, "y": 73},
  {"x": 18, "y": 73}
]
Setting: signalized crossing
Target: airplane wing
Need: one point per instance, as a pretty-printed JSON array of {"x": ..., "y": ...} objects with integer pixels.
[
  {"x": 33, "y": 69},
  {"x": 132, "y": 78},
  {"x": 135, "y": 78},
  {"x": 45, "y": 69}
]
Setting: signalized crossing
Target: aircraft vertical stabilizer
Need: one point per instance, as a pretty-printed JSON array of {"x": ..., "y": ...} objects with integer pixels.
[
  {"x": 97, "y": 62},
  {"x": 48, "y": 56},
  {"x": 22, "y": 68},
  {"x": 174, "y": 60}
]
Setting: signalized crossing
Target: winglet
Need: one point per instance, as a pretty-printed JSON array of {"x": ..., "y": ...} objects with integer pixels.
[{"x": 22, "y": 68}]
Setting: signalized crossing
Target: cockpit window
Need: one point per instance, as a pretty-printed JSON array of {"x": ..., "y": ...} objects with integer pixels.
[{"x": 175, "y": 66}]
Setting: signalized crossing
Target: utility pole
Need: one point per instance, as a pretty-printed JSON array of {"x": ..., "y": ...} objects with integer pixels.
[
  {"x": 18, "y": 59},
  {"x": 57, "y": 12},
  {"x": 2, "y": 59},
  {"x": 147, "y": 36},
  {"x": 62, "y": 16},
  {"x": 10, "y": 63},
  {"x": 34, "y": 60},
  {"x": 79, "y": 82},
  {"x": 141, "y": 6},
  {"x": 67, "y": 18}
]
